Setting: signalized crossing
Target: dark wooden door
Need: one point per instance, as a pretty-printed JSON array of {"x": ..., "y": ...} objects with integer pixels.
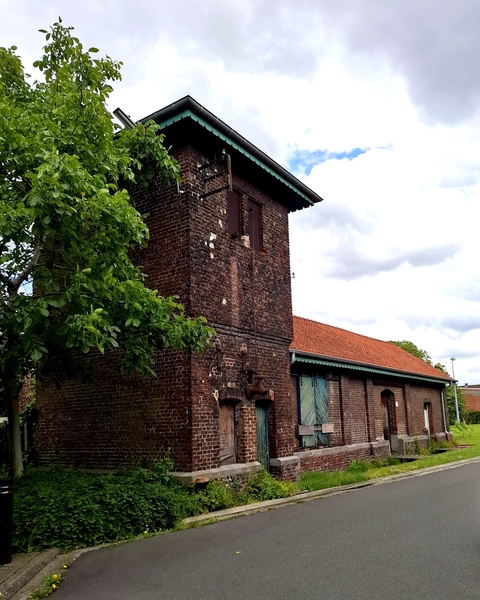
[
  {"x": 386, "y": 417},
  {"x": 227, "y": 434}
]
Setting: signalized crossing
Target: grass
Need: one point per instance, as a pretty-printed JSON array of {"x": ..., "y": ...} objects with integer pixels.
[{"x": 362, "y": 470}]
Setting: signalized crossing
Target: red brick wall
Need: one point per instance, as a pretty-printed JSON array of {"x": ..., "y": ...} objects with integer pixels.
[
  {"x": 246, "y": 295},
  {"x": 421, "y": 395},
  {"x": 472, "y": 397},
  {"x": 116, "y": 421},
  {"x": 355, "y": 408},
  {"x": 334, "y": 459}
]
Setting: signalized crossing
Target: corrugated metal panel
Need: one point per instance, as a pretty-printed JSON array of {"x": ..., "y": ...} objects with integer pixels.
[{"x": 364, "y": 368}]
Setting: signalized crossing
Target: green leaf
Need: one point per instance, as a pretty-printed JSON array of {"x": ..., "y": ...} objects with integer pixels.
[
  {"x": 36, "y": 354},
  {"x": 70, "y": 207}
]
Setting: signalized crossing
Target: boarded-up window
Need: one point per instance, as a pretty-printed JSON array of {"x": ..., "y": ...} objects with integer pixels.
[
  {"x": 227, "y": 434},
  {"x": 255, "y": 225},
  {"x": 313, "y": 408},
  {"x": 234, "y": 213}
]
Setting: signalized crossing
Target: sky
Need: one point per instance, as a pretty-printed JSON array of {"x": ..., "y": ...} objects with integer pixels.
[{"x": 374, "y": 104}]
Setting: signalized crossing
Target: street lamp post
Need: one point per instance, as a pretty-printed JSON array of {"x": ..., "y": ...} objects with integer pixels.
[{"x": 455, "y": 392}]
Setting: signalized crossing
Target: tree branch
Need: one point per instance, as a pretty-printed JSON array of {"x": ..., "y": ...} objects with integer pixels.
[{"x": 17, "y": 282}]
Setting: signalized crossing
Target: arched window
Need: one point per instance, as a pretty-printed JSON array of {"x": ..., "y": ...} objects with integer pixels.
[
  {"x": 428, "y": 416},
  {"x": 389, "y": 415}
]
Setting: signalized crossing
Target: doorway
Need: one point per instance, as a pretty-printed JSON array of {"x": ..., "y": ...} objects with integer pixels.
[
  {"x": 262, "y": 436},
  {"x": 385, "y": 418},
  {"x": 226, "y": 431},
  {"x": 428, "y": 417},
  {"x": 389, "y": 420}
]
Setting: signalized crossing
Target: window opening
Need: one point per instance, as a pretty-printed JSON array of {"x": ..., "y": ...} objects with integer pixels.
[
  {"x": 428, "y": 418},
  {"x": 234, "y": 213},
  {"x": 313, "y": 408},
  {"x": 255, "y": 225}
]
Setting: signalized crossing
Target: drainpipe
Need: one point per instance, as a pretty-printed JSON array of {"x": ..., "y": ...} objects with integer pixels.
[
  {"x": 293, "y": 358},
  {"x": 444, "y": 417}
]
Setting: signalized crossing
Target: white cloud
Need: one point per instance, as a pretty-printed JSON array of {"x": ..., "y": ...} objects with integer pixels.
[{"x": 392, "y": 252}]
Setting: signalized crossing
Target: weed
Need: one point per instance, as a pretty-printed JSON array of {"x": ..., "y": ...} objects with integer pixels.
[
  {"x": 217, "y": 496},
  {"x": 262, "y": 486},
  {"x": 418, "y": 447},
  {"x": 359, "y": 466},
  {"x": 49, "y": 585}
]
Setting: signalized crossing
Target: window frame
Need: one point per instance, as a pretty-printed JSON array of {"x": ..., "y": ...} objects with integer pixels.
[{"x": 255, "y": 228}]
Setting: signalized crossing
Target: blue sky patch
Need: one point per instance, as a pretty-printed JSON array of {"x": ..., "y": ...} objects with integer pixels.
[{"x": 305, "y": 160}]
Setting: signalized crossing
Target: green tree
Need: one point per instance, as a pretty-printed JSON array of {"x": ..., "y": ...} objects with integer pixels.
[
  {"x": 411, "y": 348},
  {"x": 450, "y": 393},
  {"x": 67, "y": 224}
]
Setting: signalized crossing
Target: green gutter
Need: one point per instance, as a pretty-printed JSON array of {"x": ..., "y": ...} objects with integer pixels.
[
  {"x": 367, "y": 369},
  {"x": 200, "y": 121}
]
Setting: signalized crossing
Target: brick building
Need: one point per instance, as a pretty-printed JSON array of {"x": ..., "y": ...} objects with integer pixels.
[
  {"x": 358, "y": 397},
  {"x": 220, "y": 242},
  {"x": 472, "y": 396}
]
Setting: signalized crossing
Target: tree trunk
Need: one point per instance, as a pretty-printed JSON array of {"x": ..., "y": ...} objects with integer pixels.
[{"x": 12, "y": 390}]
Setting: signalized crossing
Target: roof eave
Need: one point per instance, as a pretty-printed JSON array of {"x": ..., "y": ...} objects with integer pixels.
[
  {"x": 188, "y": 107},
  {"x": 378, "y": 369}
]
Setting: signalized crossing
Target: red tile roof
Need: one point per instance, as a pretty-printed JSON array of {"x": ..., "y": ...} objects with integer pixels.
[{"x": 332, "y": 342}]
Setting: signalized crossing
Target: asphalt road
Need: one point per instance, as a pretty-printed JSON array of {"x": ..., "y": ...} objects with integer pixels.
[{"x": 411, "y": 539}]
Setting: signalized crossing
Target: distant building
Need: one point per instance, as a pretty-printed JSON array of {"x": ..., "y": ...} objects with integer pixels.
[{"x": 472, "y": 396}]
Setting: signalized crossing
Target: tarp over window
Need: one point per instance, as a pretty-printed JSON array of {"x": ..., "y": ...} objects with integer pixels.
[{"x": 313, "y": 407}]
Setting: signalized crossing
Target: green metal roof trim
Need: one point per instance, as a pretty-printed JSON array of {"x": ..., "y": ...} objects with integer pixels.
[
  {"x": 187, "y": 107},
  {"x": 365, "y": 368},
  {"x": 200, "y": 121}
]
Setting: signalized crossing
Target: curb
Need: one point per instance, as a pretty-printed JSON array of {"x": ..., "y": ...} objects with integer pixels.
[
  {"x": 31, "y": 578},
  {"x": 20, "y": 580},
  {"x": 249, "y": 509}
]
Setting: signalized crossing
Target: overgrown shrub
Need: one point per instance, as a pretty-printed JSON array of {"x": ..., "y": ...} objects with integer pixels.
[
  {"x": 262, "y": 486},
  {"x": 472, "y": 417},
  {"x": 67, "y": 508},
  {"x": 217, "y": 496}
]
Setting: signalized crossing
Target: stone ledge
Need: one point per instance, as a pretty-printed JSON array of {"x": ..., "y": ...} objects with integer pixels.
[
  {"x": 218, "y": 472},
  {"x": 284, "y": 461},
  {"x": 341, "y": 449}
]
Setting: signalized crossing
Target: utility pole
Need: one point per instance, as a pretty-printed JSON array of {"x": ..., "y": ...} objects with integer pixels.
[{"x": 455, "y": 391}]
